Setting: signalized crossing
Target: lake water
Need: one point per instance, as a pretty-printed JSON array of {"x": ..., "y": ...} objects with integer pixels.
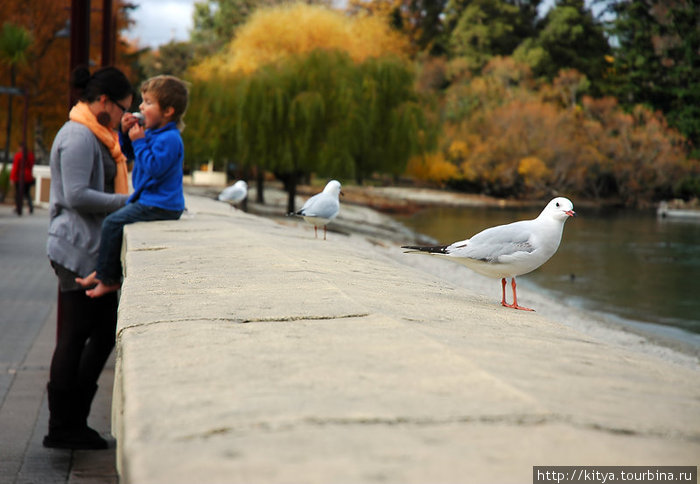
[{"x": 628, "y": 264}]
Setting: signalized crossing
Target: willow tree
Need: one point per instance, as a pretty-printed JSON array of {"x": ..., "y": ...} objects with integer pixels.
[
  {"x": 212, "y": 121},
  {"x": 331, "y": 96},
  {"x": 322, "y": 113},
  {"x": 292, "y": 117},
  {"x": 386, "y": 124}
]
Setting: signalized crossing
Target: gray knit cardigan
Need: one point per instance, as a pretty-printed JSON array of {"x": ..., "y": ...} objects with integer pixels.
[{"x": 82, "y": 195}]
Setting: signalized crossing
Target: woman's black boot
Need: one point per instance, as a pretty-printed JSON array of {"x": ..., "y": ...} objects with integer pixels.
[{"x": 68, "y": 427}]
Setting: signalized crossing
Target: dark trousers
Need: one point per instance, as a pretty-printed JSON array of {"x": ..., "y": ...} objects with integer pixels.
[
  {"x": 21, "y": 194},
  {"x": 109, "y": 267},
  {"x": 85, "y": 338}
]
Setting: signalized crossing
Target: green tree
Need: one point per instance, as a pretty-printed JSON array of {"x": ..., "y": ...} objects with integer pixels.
[
  {"x": 386, "y": 123},
  {"x": 684, "y": 109},
  {"x": 215, "y": 21},
  {"x": 14, "y": 44},
  {"x": 425, "y": 17},
  {"x": 479, "y": 30},
  {"x": 288, "y": 117},
  {"x": 322, "y": 113},
  {"x": 656, "y": 61},
  {"x": 212, "y": 122},
  {"x": 570, "y": 38},
  {"x": 173, "y": 58},
  {"x": 486, "y": 28}
]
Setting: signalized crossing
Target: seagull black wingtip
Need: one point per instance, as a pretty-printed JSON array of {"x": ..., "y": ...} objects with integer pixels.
[{"x": 432, "y": 249}]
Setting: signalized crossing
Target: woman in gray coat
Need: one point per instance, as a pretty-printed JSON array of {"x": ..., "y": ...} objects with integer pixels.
[{"x": 87, "y": 168}]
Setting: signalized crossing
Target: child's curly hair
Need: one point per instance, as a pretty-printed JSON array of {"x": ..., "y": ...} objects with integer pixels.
[{"x": 169, "y": 91}]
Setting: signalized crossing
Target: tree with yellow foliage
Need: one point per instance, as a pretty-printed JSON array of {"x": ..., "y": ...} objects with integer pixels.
[
  {"x": 274, "y": 33},
  {"x": 215, "y": 22},
  {"x": 419, "y": 20}
]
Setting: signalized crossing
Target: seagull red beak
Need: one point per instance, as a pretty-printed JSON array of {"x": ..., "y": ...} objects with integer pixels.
[{"x": 570, "y": 213}]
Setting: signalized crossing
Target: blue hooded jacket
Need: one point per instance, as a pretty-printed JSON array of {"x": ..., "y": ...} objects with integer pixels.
[{"x": 158, "y": 162}]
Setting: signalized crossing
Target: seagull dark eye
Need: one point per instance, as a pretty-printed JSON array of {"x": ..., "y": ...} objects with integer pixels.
[{"x": 558, "y": 205}]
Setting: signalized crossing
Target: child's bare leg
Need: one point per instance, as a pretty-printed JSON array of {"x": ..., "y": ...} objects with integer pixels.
[
  {"x": 101, "y": 289},
  {"x": 89, "y": 280}
]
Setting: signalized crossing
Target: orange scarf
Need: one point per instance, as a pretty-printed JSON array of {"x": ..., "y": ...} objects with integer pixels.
[{"x": 81, "y": 114}]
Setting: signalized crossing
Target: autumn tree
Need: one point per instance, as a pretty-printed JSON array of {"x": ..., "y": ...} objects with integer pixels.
[
  {"x": 275, "y": 33},
  {"x": 320, "y": 96},
  {"x": 507, "y": 136},
  {"x": 37, "y": 76},
  {"x": 216, "y": 21},
  {"x": 45, "y": 75},
  {"x": 640, "y": 154}
]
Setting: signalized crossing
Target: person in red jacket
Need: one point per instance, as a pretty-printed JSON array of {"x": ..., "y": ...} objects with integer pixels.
[{"x": 23, "y": 191}]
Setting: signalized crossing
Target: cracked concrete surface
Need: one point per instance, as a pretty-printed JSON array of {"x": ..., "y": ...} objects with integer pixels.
[{"x": 352, "y": 367}]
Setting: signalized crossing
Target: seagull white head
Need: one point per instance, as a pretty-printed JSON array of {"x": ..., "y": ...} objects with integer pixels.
[
  {"x": 332, "y": 188},
  {"x": 559, "y": 208}
]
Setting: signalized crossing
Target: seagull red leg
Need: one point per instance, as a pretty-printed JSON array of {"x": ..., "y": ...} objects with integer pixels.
[
  {"x": 515, "y": 299},
  {"x": 315, "y": 231},
  {"x": 503, "y": 300},
  {"x": 324, "y": 232}
]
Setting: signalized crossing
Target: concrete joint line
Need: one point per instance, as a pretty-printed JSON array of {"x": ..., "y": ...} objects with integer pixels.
[
  {"x": 305, "y": 318},
  {"x": 515, "y": 420},
  {"x": 168, "y": 321},
  {"x": 651, "y": 433},
  {"x": 525, "y": 420},
  {"x": 245, "y": 321}
]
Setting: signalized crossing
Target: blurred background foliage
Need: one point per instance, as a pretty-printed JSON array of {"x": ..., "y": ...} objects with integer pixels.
[{"x": 514, "y": 98}]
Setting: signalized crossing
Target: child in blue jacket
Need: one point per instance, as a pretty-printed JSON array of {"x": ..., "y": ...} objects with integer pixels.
[{"x": 158, "y": 154}]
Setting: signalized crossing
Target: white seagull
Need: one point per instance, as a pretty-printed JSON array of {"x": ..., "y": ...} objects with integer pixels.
[
  {"x": 322, "y": 207},
  {"x": 510, "y": 250},
  {"x": 235, "y": 193}
]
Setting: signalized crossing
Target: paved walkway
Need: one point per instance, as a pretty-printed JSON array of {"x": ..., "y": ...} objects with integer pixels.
[{"x": 27, "y": 332}]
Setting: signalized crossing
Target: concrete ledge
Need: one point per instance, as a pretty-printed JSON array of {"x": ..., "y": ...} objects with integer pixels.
[{"x": 249, "y": 352}]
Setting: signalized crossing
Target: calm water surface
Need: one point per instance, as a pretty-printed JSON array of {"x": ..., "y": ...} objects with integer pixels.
[{"x": 627, "y": 263}]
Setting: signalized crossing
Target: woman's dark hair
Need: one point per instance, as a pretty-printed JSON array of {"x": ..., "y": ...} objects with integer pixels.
[{"x": 108, "y": 80}]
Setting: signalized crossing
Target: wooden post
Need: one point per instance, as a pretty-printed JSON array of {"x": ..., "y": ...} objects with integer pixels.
[{"x": 108, "y": 34}]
